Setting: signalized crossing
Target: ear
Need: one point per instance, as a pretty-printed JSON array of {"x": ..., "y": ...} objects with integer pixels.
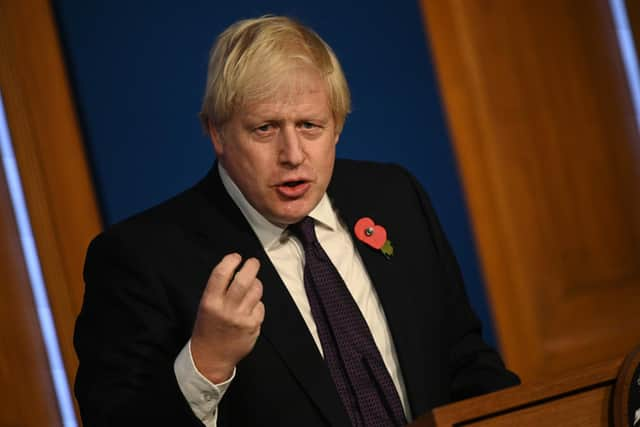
[
  {"x": 337, "y": 138},
  {"x": 216, "y": 139}
]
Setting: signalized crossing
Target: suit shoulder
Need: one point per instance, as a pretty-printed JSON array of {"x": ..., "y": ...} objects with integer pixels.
[
  {"x": 158, "y": 223},
  {"x": 369, "y": 172}
]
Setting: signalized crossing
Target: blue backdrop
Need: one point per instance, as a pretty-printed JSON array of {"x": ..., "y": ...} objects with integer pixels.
[{"x": 138, "y": 70}]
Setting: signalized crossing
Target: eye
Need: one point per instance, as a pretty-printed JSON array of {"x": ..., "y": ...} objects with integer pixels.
[
  {"x": 264, "y": 128},
  {"x": 308, "y": 125}
]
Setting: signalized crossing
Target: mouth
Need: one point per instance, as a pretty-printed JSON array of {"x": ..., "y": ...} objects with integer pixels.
[
  {"x": 293, "y": 184},
  {"x": 293, "y": 189}
]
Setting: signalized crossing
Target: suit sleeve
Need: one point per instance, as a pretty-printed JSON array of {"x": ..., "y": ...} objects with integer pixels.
[
  {"x": 126, "y": 342},
  {"x": 475, "y": 368}
]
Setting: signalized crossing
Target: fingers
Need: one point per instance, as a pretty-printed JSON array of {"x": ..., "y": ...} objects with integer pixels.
[
  {"x": 257, "y": 314},
  {"x": 242, "y": 290},
  {"x": 222, "y": 275},
  {"x": 251, "y": 297},
  {"x": 244, "y": 280},
  {"x": 229, "y": 317}
]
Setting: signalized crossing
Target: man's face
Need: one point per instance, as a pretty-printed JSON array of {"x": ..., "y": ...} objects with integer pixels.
[{"x": 280, "y": 152}]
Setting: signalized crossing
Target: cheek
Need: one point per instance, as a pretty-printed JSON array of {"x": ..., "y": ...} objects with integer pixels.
[
  {"x": 328, "y": 156},
  {"x": 247, "y": 161},
  {"x": 258, "y": 170}
]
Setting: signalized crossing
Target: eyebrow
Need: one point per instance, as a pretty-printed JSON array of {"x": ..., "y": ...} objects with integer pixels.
[{"x": 303, "y": 116}]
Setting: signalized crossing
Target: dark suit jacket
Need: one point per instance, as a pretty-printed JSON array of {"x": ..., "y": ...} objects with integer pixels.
[{"x": 144, "y": 278}]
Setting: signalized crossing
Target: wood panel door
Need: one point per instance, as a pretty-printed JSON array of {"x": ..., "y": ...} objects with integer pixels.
[{"x": 549, "y": 153}]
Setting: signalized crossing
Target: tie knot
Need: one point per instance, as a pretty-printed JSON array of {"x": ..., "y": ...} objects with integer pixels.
[{"x": 305, "y": 231}]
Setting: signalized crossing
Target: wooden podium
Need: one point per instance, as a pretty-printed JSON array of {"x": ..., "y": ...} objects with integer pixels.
[{"x": 581, "y": 398}]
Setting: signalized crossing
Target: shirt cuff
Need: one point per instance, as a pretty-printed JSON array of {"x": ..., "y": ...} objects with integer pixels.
[{"x": 202, "y": 395}]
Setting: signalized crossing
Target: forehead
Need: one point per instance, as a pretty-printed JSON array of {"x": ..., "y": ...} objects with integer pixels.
[
  {"x": 300, "y": 91},
  {"x": 310, "y": 104}
]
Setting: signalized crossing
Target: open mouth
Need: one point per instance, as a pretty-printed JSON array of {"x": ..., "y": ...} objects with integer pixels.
[{"x": 293, "y": 189}]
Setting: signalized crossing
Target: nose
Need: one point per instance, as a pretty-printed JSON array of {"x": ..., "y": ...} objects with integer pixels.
[{"x": 291, "y": 150}]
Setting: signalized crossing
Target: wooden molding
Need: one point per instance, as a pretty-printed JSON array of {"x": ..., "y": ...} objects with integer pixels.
[
  {"x": 50, "y": 155},
  {"x": 577, "y": 398}
]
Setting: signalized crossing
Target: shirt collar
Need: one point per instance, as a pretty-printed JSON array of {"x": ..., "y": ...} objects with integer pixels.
[{"x": 268, "y": 233}]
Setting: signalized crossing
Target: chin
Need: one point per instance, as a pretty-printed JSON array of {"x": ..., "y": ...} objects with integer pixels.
[
  {"x": 288, "y": 218},
  {"x": 282, "y": 210}
]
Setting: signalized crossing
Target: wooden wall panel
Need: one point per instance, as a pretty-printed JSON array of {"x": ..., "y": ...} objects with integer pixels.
[
  {"x": 26, "y": 389},
  {"x": 548, "y": 149},
  {"x": 50, "y": 155}
]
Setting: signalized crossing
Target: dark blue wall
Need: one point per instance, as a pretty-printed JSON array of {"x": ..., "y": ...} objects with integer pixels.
[{"x": 138, "y": 69}]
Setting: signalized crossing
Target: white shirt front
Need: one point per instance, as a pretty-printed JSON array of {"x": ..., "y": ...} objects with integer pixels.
[{"x": 287, "y": 255}]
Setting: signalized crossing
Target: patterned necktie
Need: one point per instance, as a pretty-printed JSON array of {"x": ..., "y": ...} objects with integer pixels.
[{"x": 356, "y": 366}]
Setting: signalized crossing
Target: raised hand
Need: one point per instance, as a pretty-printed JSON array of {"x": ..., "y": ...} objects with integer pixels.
[{"x": 229, "y": 318}]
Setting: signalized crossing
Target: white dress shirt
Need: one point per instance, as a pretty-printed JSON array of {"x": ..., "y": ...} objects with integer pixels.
[{"x": 287, "y": 255}]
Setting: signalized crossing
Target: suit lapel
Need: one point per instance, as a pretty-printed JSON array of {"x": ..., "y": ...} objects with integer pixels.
[
  {"x": 390, "y": 280},
  {"x": 285, "y": 329},
  {"x": 283, "y": 326}
]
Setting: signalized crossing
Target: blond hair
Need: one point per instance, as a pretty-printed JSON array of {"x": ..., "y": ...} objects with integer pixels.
[{"x": 252, "y": 58}]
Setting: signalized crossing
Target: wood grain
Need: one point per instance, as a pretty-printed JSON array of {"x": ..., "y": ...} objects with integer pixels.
[
  {"x": 579, "y": 398},
  {"x": 548, "y": 150},
  {"x": 26, "y": 388},
  {"x": 582, "y": 410},
  {"x": 50, "y": 156}
]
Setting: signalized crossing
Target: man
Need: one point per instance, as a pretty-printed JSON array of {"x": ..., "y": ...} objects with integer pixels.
[{"x": 286, "y": 288}]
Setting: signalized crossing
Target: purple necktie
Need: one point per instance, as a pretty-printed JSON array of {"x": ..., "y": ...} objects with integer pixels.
[{"x": 357, "y": 369}]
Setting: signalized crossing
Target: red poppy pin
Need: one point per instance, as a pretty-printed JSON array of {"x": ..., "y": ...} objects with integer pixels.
[{"x": 373, "y": 235}]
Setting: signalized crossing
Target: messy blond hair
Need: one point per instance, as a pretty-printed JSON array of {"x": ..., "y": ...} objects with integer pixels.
[{"x": 253, "y": 58}]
